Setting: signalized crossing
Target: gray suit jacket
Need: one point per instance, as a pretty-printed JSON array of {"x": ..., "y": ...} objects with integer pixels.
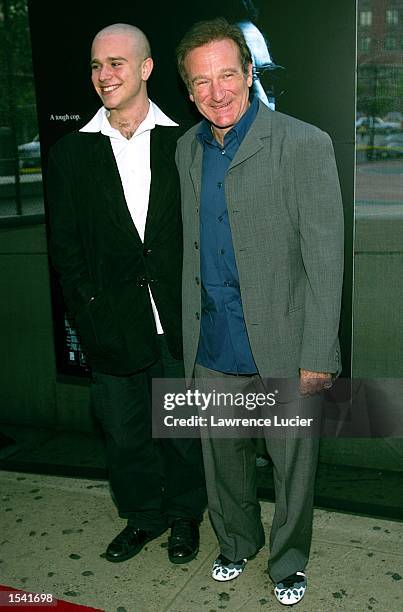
[{"x": 286, "y": 217}]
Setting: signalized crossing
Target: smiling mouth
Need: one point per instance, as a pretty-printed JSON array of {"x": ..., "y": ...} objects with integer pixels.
[
  {"x": 222, "y": 106},
  {"x": 109, "y": 88}
]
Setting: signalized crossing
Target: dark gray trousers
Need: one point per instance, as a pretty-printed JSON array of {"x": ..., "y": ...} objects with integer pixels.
[
  {"x": 153, "y": 481},
  {"x": 230, "y": 470}
]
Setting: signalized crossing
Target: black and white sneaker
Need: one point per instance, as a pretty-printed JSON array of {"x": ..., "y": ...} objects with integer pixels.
[
  {"x": 291, "y": 590},
  {"x": 224, "y": 569}
]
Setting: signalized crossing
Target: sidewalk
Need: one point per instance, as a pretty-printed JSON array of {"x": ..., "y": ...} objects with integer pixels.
[{"x": 54, "y": 531}]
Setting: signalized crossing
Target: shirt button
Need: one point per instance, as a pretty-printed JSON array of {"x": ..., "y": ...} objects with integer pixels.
[
  {"x": 147, "y": 252},
  {"x": 220, "y": 218},
  {"x": 219, "y": 184},
  {"x": 227, "y": 284},
  {"x": 222, "y": 251},
  {"x": 222, "y": 151}
]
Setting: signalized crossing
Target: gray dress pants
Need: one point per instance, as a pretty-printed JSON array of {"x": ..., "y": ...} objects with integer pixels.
[{"x": 230, "y": 470}]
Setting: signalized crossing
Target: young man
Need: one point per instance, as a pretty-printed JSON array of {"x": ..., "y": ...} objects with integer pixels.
[
  {"x": 262, "y": 279},
  {"x": 116, "y": 242}
]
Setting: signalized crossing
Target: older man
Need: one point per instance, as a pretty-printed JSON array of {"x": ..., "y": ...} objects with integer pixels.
[
  {"x": 263, "y": 253},
  {"x": 116, "y": 241}
]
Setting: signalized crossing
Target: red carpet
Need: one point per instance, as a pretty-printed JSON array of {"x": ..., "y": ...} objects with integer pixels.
[{"x": 11, "y": 599}]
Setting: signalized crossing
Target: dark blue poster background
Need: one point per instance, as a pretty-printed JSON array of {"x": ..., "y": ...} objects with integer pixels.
[{"x": 313, "y": 42}]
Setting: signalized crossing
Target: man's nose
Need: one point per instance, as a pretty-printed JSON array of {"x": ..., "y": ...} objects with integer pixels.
[
  {"x": 217, "y": 90},
  {"x": 104, "y": 73}
]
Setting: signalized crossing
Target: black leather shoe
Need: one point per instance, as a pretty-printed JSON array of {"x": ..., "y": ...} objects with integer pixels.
[
  {"x": 183, "y": 543},
  {"x": 128, "y": 543}
]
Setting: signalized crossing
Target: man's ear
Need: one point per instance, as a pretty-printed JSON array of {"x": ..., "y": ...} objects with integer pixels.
[
  {"x": 191, "y": 96},
  {"x": 249, "y": 77},
  {"x": 147, "y": 68}
]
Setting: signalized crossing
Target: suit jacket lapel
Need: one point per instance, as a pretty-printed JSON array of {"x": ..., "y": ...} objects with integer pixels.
[
  {"x": 158, "y": 176},
  {"x": 196, "y": 167},
  {"x": 162, "y": 161},
  {"x": 258, "y": 132},
  {"x": 107, "y": 175}
]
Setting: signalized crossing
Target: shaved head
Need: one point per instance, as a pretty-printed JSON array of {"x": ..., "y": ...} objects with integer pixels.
[
  {"x": 140, "y": 41},
  {"x": 121, "y": 64}
]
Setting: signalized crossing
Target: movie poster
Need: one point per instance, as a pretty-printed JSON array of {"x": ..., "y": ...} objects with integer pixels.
[{"x": 304, "y": 65}]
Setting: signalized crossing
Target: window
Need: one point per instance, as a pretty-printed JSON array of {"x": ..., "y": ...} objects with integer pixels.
[
  {"x": 20, "y": 161},
  {"x": 392, "y": 17},
  {"x": 390, "y": 43},
  {"x": 365, "y": 44},
  {"x": 366, "y": 18}
]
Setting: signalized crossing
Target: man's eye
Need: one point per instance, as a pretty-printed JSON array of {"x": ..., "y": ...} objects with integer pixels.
[
  {"x": 95, "y": 67},
  {"x": 115, "y": 64},
  {"x": 228, "y": 75}
]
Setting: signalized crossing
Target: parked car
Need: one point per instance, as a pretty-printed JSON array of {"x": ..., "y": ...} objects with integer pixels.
[
  {"x": 364, "y": 124},
  {"x": 394, "y": 145},
  {"x": 30, "y": 154},
  {"x": 394, "y": 116}
]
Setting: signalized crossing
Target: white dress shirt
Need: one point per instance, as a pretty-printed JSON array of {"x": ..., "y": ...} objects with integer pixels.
[{"x": 133, "y": 160}]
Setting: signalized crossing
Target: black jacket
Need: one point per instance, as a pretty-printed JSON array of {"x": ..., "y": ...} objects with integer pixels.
[{"x": 104, "y": 267}]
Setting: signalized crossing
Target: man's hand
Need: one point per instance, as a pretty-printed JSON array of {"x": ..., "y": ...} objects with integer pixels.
[{"x": 313, "y": 382}]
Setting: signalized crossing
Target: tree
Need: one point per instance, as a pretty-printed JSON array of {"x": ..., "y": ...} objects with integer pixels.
[{"x": 18, "y": 102}]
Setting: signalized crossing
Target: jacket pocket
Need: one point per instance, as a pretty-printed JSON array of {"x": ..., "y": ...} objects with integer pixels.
[{"x": 98, "y": 328}]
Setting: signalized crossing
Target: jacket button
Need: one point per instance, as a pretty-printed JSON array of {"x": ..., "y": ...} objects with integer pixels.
[
  {"x": 197, "y": 279},
  {"x": 197, "y": 315},
  {"x": 147, "y": 252},
  {"x": 196, "y": 245}
]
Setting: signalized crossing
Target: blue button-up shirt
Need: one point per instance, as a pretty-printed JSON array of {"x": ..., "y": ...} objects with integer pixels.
[{"x": 223, "y": 344}]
